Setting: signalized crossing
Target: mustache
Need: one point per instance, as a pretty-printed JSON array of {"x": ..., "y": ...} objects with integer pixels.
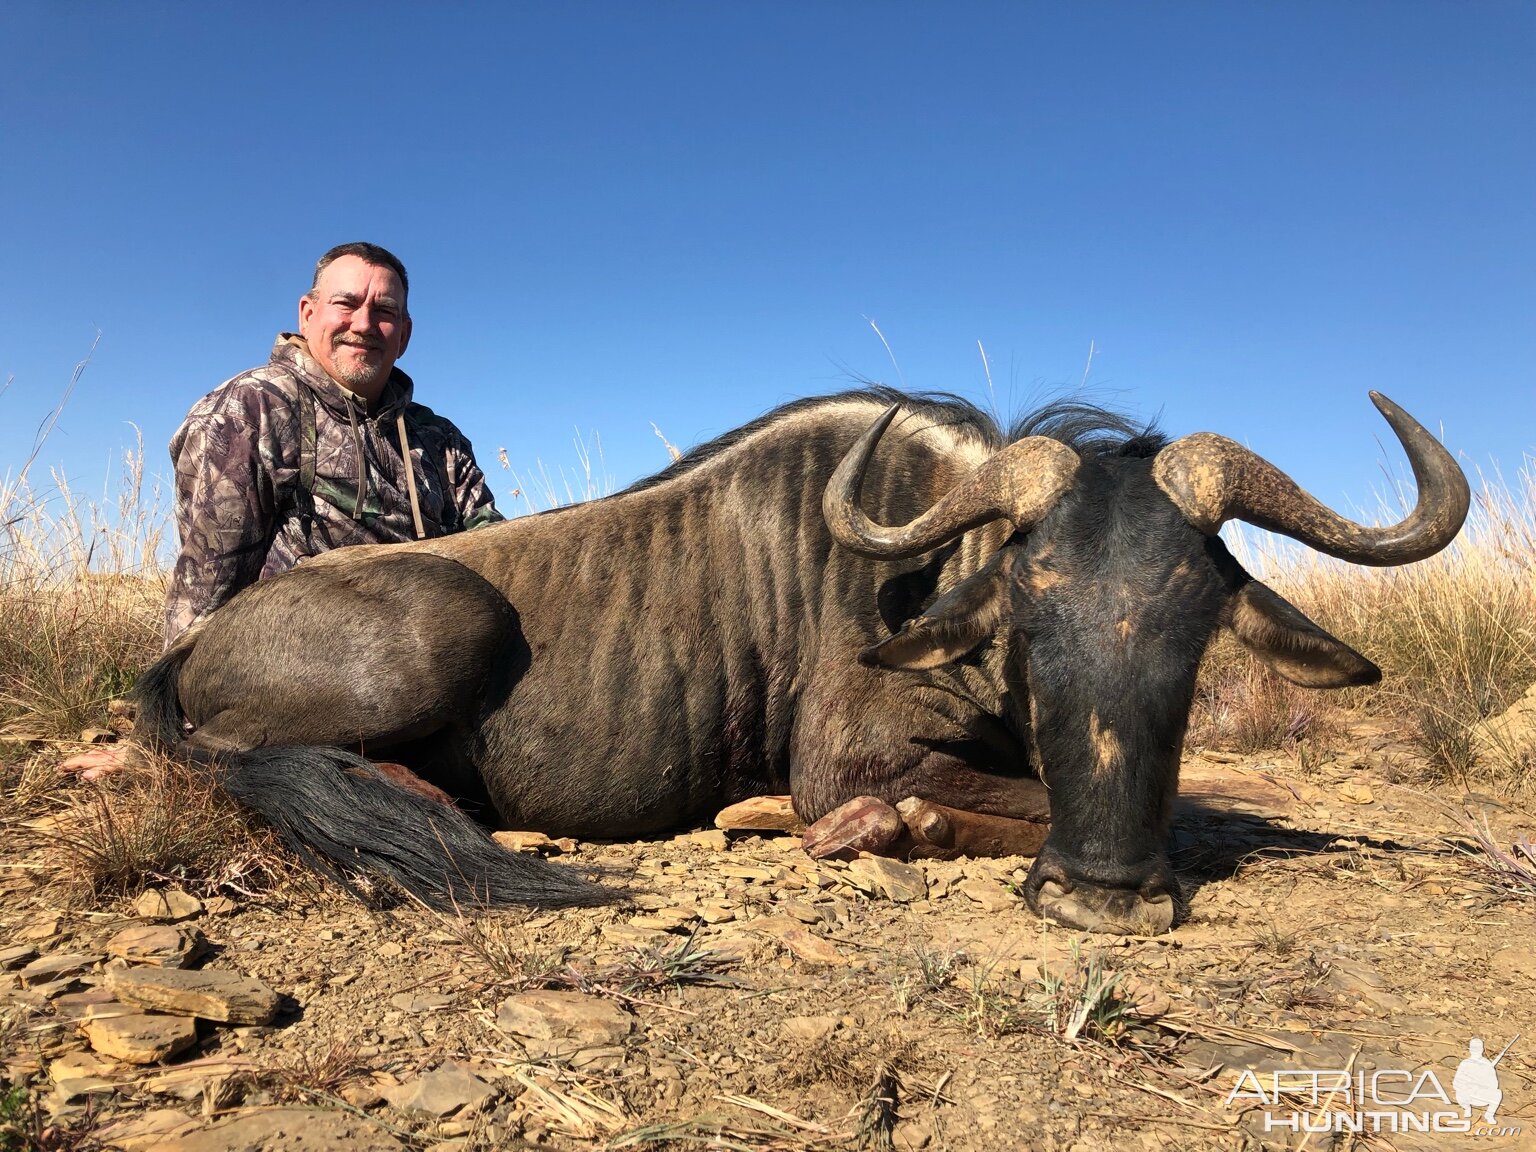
[{"x": 358, "y": 342}]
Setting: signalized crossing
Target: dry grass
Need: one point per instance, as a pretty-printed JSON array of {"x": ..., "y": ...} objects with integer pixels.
[
  {"x": 82, "y": 589},
  {"x": 1455, "y": 636},
  {"x": 159, "y": 822}
]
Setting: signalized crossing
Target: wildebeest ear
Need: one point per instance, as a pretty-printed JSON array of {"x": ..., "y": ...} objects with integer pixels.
[
  {"x": 1275, "y": 631},
  {"x": 953, "y": 626}
]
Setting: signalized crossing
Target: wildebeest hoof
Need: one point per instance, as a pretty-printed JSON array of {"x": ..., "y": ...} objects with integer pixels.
[
  {"x": 863, "y": 824},
  {"x": 943, "y": 833},
  {"x": 1113, "y": 910}
]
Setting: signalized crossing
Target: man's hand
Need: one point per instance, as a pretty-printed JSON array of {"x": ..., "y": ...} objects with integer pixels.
[{"x": 100, "y": 761}]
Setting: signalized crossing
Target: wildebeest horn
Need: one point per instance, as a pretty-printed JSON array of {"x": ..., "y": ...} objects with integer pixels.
[
  {"x": 1020, "y": 484},
  {"x": 1213, "y": 480}
]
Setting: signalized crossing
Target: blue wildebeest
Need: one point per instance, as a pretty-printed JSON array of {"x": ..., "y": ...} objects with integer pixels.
[{"x": 866, "y": 595}]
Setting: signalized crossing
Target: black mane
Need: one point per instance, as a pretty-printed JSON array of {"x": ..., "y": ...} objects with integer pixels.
[{"x": 1091, "y": 430}]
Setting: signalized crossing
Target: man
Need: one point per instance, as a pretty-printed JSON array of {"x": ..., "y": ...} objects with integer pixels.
[{"x": 319, "y": 448}]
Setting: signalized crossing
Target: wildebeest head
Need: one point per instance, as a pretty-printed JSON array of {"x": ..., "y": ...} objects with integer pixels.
[{"x": 1106, "y": 595}]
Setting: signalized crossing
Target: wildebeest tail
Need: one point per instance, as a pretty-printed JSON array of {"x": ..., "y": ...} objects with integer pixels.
[
  {"x": 158, "y": 719},
  {"x": 342, "y": 815}
]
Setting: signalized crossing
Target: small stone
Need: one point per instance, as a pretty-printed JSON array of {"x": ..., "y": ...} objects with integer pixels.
[
  {"x": 1356, "y": 793},
  {"x": 664, "y": 919},
  {"x": 716, "y": 911},
  {"x": 805, "y": 913},
  {"x": 78, "y": 1064},
  {"x": 712, "y": 840},
  {"x": 797, "y": 939},
  {"x": 564, "y": 1025},
  {"x": 44, "y": 929},
  {"x": 220, "y": 906},
  {"x": 992, "y": 897},
  {"x": 91, "y": 1002},
  {"x": 449, "y": 1089},
  {"x": 226, "y": 997},
  {"x": 141, "y": 1039},
  {"x": 157, "y": 944},
  {"x": 170, "y": 904},
  {"x": 809, "y": 1029},
  {"x": 362, "y": 1095},
  {"x": 534, "y": 843},
  {"x": 892, "y": 879},
  {"x": 98, "y": 736},
  {"x": 55, "y": 967},
  {"x": 16, "y": 955},
  {"x": 911, "y": 1136},
  {"x": 761, "y": 814},
  {"x": 416, "y": 1005},
  {"x": 390, "y": 949}
]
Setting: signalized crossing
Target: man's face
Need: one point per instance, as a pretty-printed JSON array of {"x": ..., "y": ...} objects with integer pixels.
[{"x": 355, "y": 323}]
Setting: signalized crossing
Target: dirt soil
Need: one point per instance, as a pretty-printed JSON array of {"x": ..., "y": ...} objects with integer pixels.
[{"x": 1335, "y": 921}]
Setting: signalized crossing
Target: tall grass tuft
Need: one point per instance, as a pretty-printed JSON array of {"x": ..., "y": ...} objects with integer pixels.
[
  {"x": 82, "y": 590},
  {"x": 1455, "y": 635}
]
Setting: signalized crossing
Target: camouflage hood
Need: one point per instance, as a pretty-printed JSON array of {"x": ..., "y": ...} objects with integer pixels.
[{"x": 282, "y": 462}]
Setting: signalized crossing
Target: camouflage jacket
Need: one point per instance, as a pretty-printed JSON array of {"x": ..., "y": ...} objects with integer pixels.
[{"x": 282, "y": 462}]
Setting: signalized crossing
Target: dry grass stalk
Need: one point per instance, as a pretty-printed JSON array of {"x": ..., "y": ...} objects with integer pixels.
[
  {"x": 82, "y": 590},
  {"x": 1511, "y": 870},
  {"x": 161, "y": 821},
  {"x": 568, "y": 1108},
  {"x": 511, "y": 963}
]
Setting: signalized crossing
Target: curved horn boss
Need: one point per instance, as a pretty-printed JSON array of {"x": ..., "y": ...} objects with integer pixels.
[
  {"x": 1019, "y": 484},
  {"x": 1213, "y": 479}
]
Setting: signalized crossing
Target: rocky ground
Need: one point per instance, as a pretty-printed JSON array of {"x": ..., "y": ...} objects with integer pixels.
[{"x": 1338, "y": 919}]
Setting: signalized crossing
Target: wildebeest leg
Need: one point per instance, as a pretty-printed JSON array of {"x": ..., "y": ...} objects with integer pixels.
[
  {"x": 920, "y": 828},
  {"x": 859, "y": 753},
  {"x": 944, "y": 833},
  {"x": 394, "y": 658}
]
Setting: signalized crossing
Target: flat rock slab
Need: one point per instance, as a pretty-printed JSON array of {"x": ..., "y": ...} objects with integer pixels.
[
  {"x": 16, "y": 955},
  {"x": 157, "y": 944},
  {"x": 797, "y": 938},
  {"x": 536, "y": 843},
  {"x": 442, "y": 1092},
  {"x": 879, "y": 875},
  {"x": 285, "y": 1130},
  {"x": 170, "y": 904},
  {"x": 226, "y": 997},
  {"x": 56, "y": 966},
  {"x": 140, "y": 1039},
  {"x": 992, "y": 896},
  {"x": 569, "y": 1026},
  {"x": 761, "y": 814}
]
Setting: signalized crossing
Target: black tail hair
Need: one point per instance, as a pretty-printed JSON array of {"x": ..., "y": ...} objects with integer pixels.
[
  {"x": 341, "y": 814},
  {"x": 159, "y": 717}
]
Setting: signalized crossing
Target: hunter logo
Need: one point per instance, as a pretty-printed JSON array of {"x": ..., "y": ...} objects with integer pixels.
[{"x": 1380, "y": 1100}]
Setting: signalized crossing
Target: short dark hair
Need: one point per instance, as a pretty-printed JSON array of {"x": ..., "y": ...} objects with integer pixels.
[{"x": 368, "y": 253}]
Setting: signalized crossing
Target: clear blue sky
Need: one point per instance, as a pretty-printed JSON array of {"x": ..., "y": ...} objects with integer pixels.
[{"x": 620, "y": 213}]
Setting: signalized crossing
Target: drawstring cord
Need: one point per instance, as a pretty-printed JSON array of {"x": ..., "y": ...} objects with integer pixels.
[{"x": 410, "y": 475}]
